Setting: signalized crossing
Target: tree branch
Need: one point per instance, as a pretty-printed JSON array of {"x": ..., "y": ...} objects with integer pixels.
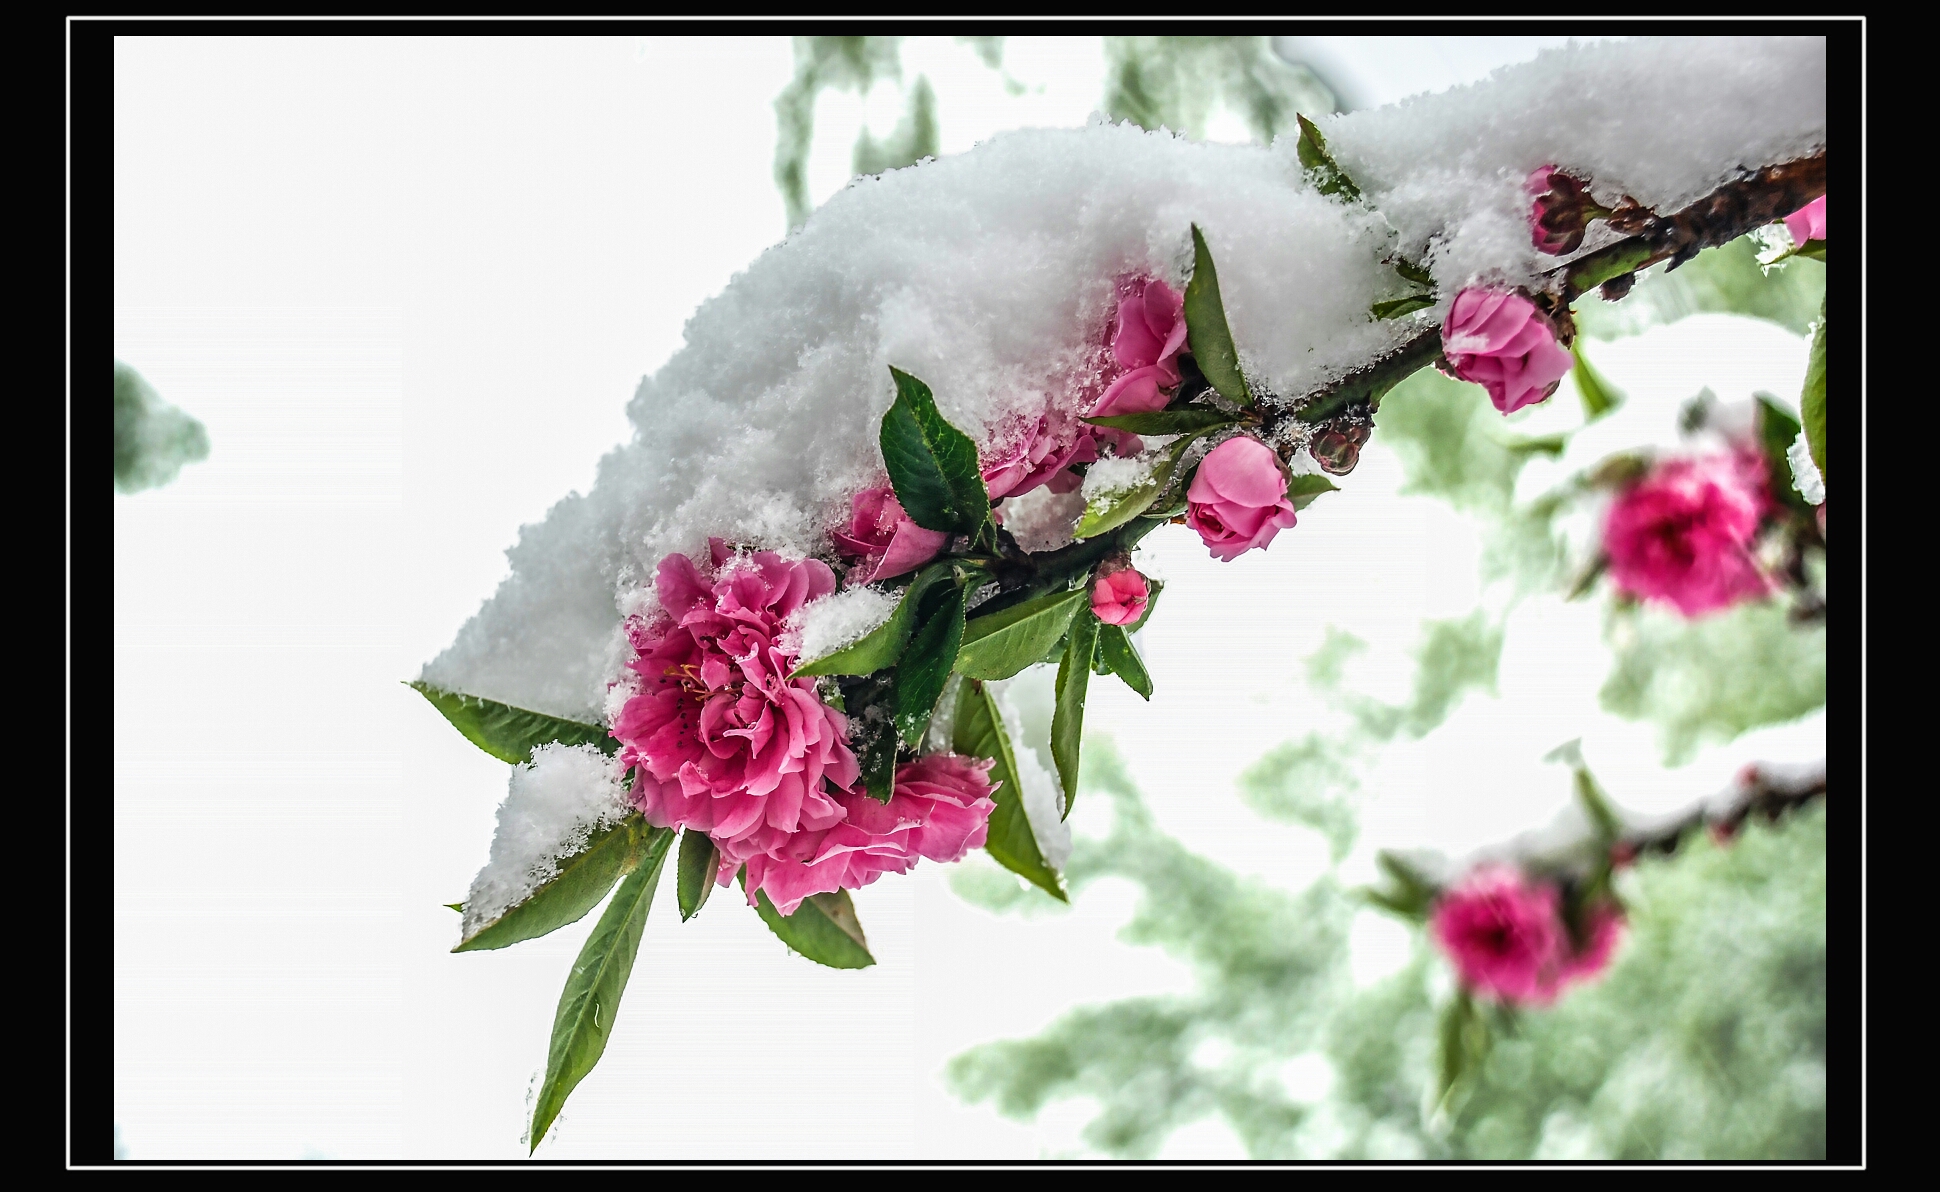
[{"x": 1762, "y": 197}]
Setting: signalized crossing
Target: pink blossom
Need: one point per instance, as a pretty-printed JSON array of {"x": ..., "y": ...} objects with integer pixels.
[
  {"x": 1808, "y": 222},
  {"x": 1148, "y": 333},
  {"x": 1506, "y": 937},
  {"x": 1238, "y": 498},
  {"x": 882, "y": 534},
  {"x": 1150, "y": 328},
  {"x": 720, "y": 739},
  {"x": 1683, "y": 534},
  {"x": 940, "y": 810},
  {"x": 1041, "y": 452},
  {"x": 1499, "y": 340},
  {"x": 1119, "y": 597}
]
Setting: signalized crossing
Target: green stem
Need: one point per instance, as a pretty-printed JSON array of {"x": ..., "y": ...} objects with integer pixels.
[{"x": 1053, "y": 571}]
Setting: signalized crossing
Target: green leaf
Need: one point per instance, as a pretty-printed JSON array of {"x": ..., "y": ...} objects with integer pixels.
[
  {"x": 1596, "y": 805},
  {"x": 1410, "y": 894},
  {"x": 932, "y": 464},
  {"x": 1814, "y": 249},
  {"x": 979, "y": 732},
  {"x": 1413, "y": 272},
  {"x": 1396, "y": 307},
  {"x": 699, "y": 861},
  {"x": 1812, "y": 400},
  {"x": 583, "y": 879},
  {"x": 507, "y": 733},
  {"x": 878, "y": 759},
  {"x": 1302, "y": 490},
  {"x": 1168, "y": 422},
  {"x": 1151, "y": 602},
  {"x": 824, "y": 928},
  {"x": 1000, "y": 644},
  {"x": 1207, "y": 334},
  {"x": 591, "y": 998},
  {"x": 1108, "y": 511},
  {"x": 1120, "y": 657},
  {"x": 1068, "y": 717},
  {"x": 1329, "y": 178},
  {"x": 457, "y": 906},
  {"x": 924, "y": 670},
  {"x": 1599, "y": 396},
  {"x": 1465, "y": 1043},
  {"x": 1550, "y": 445},
  {"x": 884, "y": 644},
  {"x": 1777, "y": 431}
]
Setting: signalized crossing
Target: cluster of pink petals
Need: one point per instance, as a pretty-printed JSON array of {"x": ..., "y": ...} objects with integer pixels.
[
  {"x": 1506, "y": 937},
  {"x": 1238, "y": 498},
  {"x": 883, "y": 537},
  {"x": 1499, "y": 340},
  {"x": 720, "y": 738},
  {"x": 1148, "y": 334},
  {"x": 1808, "y": 222},
  {"x": 1041, "y": 453},
  {"x": 1119, "y": 597},
  {"x": 940, "y": 810},
  {"x": 1683, "y": 535}
]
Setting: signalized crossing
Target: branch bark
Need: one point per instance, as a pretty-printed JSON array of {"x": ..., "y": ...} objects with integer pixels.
[{"x": 1761, "y": 197}]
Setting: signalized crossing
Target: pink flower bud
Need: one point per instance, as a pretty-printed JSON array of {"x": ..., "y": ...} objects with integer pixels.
[
  {"x": 882, "y": 535},
  {"x": 1499, "y": 340},
  {"x": 1808, "y": 222},
  {"x": 1119, "y": 598},
  {"x": 1238, "y": 498},
  {"x": 1683, "y": 534},
  {"x": 1560, "y": 211}
]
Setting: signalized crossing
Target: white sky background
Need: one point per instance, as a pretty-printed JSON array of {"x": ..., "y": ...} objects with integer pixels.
[{"x": 409, "y": 285}]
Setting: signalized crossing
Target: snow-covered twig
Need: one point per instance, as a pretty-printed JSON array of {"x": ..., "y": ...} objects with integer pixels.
[{"x": 1730, "y": 211}]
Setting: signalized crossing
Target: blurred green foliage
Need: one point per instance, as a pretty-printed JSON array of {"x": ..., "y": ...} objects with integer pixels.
[
  {"x": 849, "y": 64},
  {"x": 1708, "y": 680},
  {"x": 1727, "y": 279},
  {"x": 152, "y": 438},
  {"x": 1178, "y": 82},
  {"x": 1311, "y": 782},
  {"x": 1706, "y": 1039}
]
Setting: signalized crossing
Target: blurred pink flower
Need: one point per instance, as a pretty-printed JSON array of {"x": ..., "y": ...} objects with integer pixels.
[
  {"x": 1505, "y": 936},
  {"x": 1808, "y": 222},
  {"x": 880, "y": 533},
  {"x": 1119, "y": 597},
  {"x": 1238, "y": 498},
  {"x": 940, "y": 810},
  {"x": 1602, "y": 929},
  {"x": 720, "y": 739},
  {"x": 1499, "y": 340},
  {"x": 1683, "y": 535}
]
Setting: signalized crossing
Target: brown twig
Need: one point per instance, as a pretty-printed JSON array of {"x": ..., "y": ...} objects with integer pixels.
[{"x": 1761, "y": 197}]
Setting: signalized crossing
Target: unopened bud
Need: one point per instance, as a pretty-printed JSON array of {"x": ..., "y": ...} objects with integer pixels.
[
  {"x": 1560, "y": 211},
  {"x": 1335, "y": 451}
]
